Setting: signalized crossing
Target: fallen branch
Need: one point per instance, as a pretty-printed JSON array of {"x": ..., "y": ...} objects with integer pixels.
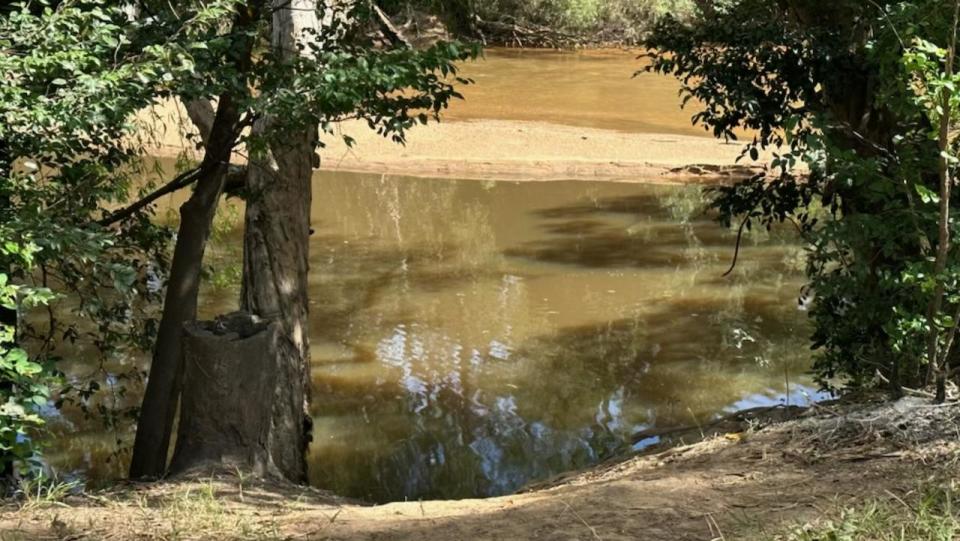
[
  {"x": 389, "y": 30},
  {"x": 739, "y": 417},
  {"x": 527, "y": 34},
  {"x": 907, "y": 391}
]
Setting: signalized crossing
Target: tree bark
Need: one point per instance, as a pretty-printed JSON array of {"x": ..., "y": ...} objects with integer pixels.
[
  {"x": 152, "y": 444},
  {"x": 202, "y": 114},
  {"x": 275, "y": 266},
  {"x": 228, "y": 377},
  {"x": 276, "y": 257},
  {"x": 938, "y": 363}
]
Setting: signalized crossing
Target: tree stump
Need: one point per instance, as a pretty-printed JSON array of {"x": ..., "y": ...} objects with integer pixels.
[{"x": 228, "y": 393}]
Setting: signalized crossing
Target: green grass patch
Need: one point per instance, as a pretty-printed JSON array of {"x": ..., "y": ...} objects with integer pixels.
[{"x": 929, "y": 514}]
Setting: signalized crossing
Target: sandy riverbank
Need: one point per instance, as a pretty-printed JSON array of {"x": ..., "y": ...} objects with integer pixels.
[
  {"x": 519, "y": 150},
  {"x": 509, "y": 150}
]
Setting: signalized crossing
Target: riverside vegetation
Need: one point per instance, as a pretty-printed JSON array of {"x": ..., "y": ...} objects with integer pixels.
[{"x": 547, "y": 23}]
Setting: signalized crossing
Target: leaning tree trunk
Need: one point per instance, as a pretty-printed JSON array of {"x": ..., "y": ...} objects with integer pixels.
[
  {"x": 154, "y": 427},
  {"x": 152, "y": 443}
]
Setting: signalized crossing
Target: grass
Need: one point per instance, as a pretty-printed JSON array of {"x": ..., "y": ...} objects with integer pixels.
[
  {"x": 43, "y": 491},
  {"x": 933, "y": 515},
  {"x": 198, "y": 509}
]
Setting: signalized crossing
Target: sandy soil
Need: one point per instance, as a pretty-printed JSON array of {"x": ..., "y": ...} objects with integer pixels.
[
  {"x": 505, "y": 149},
  {"x": 744, "y": 485}
]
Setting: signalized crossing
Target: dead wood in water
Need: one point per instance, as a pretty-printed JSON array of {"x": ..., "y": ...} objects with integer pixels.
[
  {"x": 735, "y": 422},
  {"x": 513, "y": 33},
  {"x": 390, "y": 30}
]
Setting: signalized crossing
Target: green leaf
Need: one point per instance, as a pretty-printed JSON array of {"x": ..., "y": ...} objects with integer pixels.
[{"x": 926, "y": 194}]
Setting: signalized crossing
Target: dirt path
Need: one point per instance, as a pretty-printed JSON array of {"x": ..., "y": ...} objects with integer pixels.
[{"x": 746, "y": 485}]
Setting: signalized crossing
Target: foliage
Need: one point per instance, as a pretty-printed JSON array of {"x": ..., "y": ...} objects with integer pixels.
[
  {"x": 74, "y": 78},
  {"x": 66, "y": 110},
  {"x": 583, "y": 15},
  {"x": 846, "y": 95},
  {"x": 24, "y": 381},
  {"x": 618, "y": 20}
]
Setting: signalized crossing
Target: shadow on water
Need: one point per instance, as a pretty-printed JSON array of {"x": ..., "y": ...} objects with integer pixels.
[
  {"x": 573, "y": 398},
  {"x": 646, "y": 231},
  {"x": 443, "y": 404}
]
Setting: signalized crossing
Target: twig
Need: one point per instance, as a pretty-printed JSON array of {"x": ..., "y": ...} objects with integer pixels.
[
  {"x": 585, "y": 523},
  {"x": 899, "y": 499},
  {"x": 736, "y": 252},
  {"x": 714, "y": 528}
]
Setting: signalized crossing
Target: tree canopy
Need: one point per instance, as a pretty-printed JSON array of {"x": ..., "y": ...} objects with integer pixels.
[
  {"x": 78, "y": 223},
  {"x": 857, "y": 100}
]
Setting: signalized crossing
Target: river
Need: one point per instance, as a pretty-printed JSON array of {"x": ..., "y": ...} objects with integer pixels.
[
  {"x": 470, "y": 337},
  {"x": 592, "y": 89}
]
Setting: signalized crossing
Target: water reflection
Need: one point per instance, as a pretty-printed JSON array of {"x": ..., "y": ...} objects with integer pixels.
[{"x": 470, "y": 337}]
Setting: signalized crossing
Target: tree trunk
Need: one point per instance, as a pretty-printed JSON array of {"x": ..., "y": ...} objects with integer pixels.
[
  {"x": 276, "y": 258},
  {"x": 937, "y": 362},
  {"x": 228, "y": 376},
  {"x": 158, "y": 410},
  {"x": 275, "y": 265},
  {"x": 461, "y": 16},
  {"x": 152, "y": 445}
]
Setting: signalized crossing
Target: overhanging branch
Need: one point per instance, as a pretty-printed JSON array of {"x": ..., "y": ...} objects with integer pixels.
[
  {"x": 181, "y": 181},
  {"x": 235, "y": 181}
]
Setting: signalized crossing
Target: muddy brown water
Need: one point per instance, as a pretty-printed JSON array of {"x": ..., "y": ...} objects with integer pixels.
[
  {"x": 470, "y": 337},
  {"x": 593, "y": 89}
]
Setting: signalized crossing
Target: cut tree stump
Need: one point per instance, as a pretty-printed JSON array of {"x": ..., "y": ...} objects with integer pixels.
[{"x": 228, "y": 394}]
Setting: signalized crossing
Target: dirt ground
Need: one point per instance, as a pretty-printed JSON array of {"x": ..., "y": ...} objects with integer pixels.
[{"x": 744, "y": 485}]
